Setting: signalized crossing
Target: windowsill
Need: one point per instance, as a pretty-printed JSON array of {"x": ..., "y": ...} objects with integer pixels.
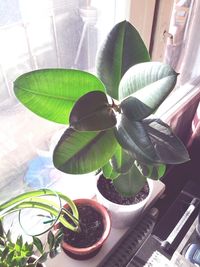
[{"x": 63, "y": 260}]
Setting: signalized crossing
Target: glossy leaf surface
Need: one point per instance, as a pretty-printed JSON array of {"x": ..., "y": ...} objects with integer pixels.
[
  {"x": 133, "y": 137},
  {"x": 159, "y": 78},
  {"x": 51, "y": 93},
  {"x": 122, "y": 49},
  {"x": 83, "y": 152},
  {"x": 168, "y": 147},
  {"x": 92, "y": 112},
  {"x": 150, "y": 141},
  {"x": 130, "y": 183}
]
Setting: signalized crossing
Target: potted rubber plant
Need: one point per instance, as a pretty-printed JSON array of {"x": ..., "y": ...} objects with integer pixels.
[
  {"x": 112, "y": 125},
  {"x": 80, "y": 226}
]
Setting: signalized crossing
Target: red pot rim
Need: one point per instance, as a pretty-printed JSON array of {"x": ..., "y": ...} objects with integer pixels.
[{"x": 107, "y": 228}]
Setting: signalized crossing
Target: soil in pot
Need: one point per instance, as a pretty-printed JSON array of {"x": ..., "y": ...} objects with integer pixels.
[
  {"x": 92, "y": 228},
  {"x": 107, "y": 189}
]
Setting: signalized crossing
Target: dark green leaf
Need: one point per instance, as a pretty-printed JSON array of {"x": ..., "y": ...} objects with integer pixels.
[
  {"x": 27, "y": 247},
  {"x": 59, "y": 238},
  {"x": 19, "y": 243},
  {"x": 53, "y": 253},
  {"x": 1, "y": 229},
  {"x": 135, "y": 109},
  {"x": 92, "y": 112},
  {"x": 131, "y": 183},
  {"x": 50, "y": 240},
  {"x": 10, "y": 256},
  {"x": 43, "y": 258},
  {"x": 8, "y": 236},
  {"x": 37, "y": 242},
  {"x": 122, "y": 49},
  {"x": 4, "y": 253},
  {"x": 159, "y": 77},
  {"x": 51, "y": 93},
  {"x": 83, "y": 152},
  {"x": 168, "y": 146},
  {"x": 133, "y": 137},
  {"x": 154, "y": 172},
  {"x": 150, "y": 141}
]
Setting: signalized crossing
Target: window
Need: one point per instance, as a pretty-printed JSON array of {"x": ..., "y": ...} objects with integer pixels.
[{"x": 42, "y": 34}]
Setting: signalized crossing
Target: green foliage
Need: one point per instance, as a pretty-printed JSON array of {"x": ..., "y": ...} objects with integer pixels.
[
  {"x": 36, "y": 199},
  {"x": 113, "y": 132},
  {"x": 18, "y": 253},
  {"x": 84, "y": 152},
  {"x": 51, "y": 93},
  {"x": 122, "y": 49}
]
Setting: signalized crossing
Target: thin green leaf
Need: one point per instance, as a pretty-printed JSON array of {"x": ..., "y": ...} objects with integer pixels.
[
  {"x": 1, "y": 229},
  {"x": 83, "y": 152},
  {"x": 51, "y": 93},
  {"x": 50, "y": 239},
  {"x": 37, "y": 242},
  {"x": 122, "y": 49},
  {"x": 58, "y": 239},
  {"x": 4, "y": 253},
  {"x": 43, "y": 257},
  {"x": 131, "y": 183},
  {"x": 10, "y": 256},
  {"x": 92, "y": 112},
  {"x": 19, "y": 243}
]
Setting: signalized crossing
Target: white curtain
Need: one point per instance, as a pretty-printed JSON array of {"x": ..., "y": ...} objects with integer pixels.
[{"x": 183, "y": 54}]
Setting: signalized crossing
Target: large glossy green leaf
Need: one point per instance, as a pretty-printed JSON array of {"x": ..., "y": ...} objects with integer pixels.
[
  {"x": 150, "y": 141},
  {"x": 122, "y": 49},
  {"x": 133, "y": 137},
  {"x": 83, "y": 152},
  {"x": 168, "y": 147},
  {"x": 130, "y": 183},
  {"x": 51, "y": 93},
  {"x": 92, "y": 112},
  {"x": 159, "y": 78}
]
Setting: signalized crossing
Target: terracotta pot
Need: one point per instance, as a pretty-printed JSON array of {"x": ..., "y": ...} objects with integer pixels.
[
  {"x": 123, "y": 216},
  {"x": 88, "y": 252}
]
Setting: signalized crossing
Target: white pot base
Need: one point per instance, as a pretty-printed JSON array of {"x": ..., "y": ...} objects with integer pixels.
[{"x": 123, "y": 216}]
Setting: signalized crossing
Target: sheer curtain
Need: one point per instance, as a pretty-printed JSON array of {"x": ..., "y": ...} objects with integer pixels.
[
  {"x": 182, "y": 108},
  {"x": 183, "y": 53},
  {"x": 41, "y": 34}
]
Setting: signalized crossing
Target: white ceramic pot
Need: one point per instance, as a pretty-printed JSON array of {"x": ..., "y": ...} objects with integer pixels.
[{"x": 123, "y": 216}]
